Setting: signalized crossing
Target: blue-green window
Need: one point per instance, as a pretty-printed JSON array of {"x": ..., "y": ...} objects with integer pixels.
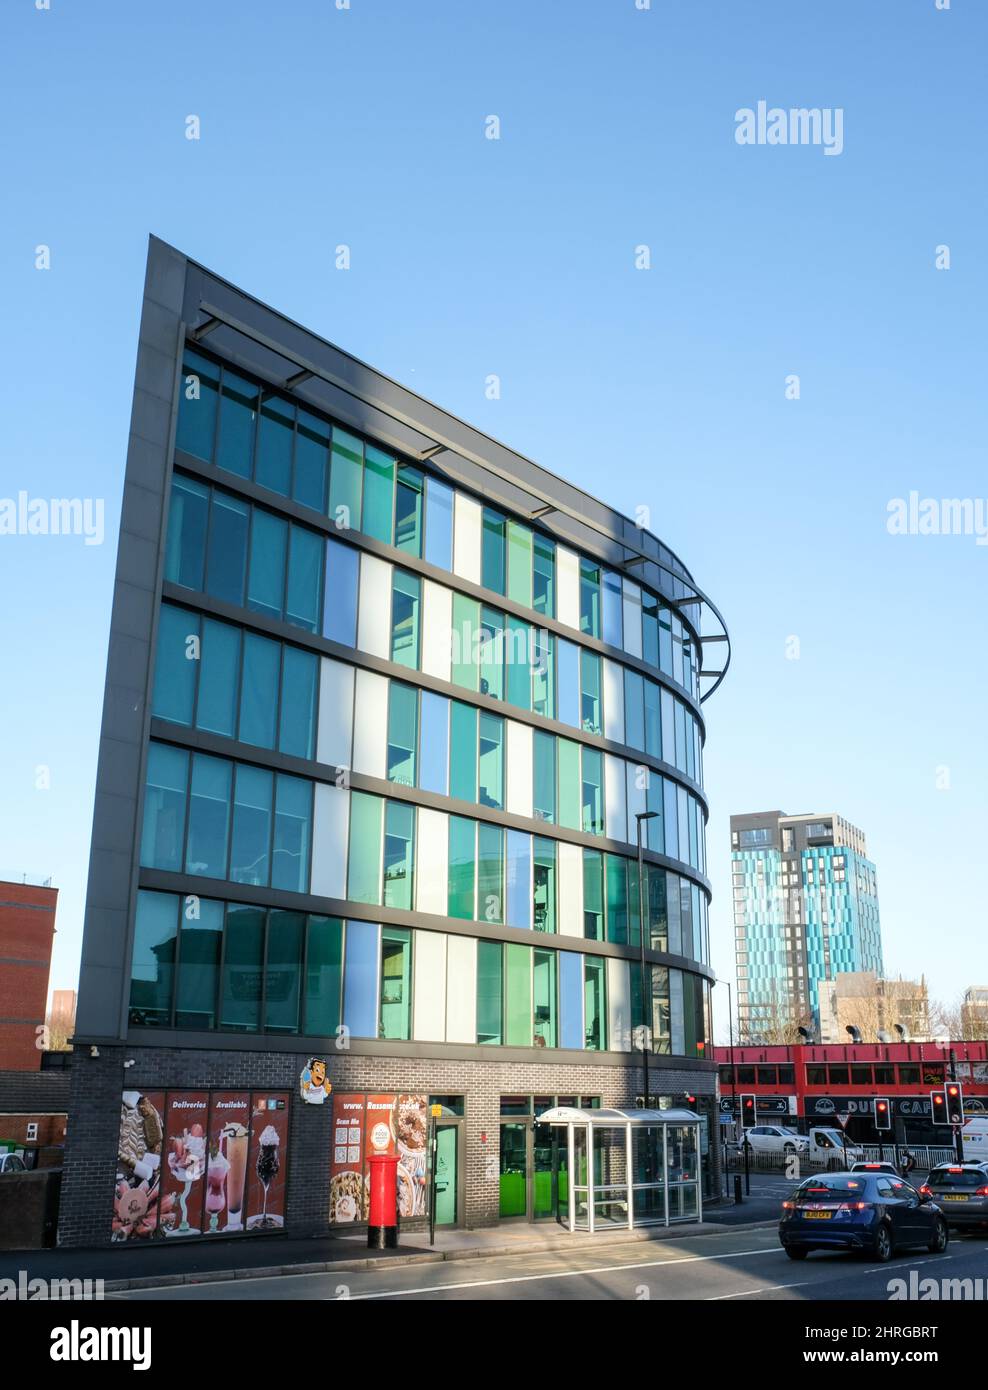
[
  {"x": 462, "y": 866},
  {"x": 196, "y": 432},
  {"x": 593, "y": 791},
  {"x": 243, "y": 973},
  {"x": 593, "y": 894},
  {"x": 405, "y": 594},
  {"x": 589, "y": 598},
  {"x": 518, "y": 644},
  {"x": 364, "y": 860},
  {"x": 545, "y": 1011},
  {"x": 438, "y": 524},
  {"x": 492, "y": 653},
  {"x": 176, "y": 665},
  {"x": 543, "y": 673},
  {"x": 163, "y": 832},
  {"x": 591, "y": 717},
  {"x": 199, "y": 951},
  {"x": 594, "y": 1004},
  {"x": 283, "y": 971},
  {"x": 544, "y": 775},
  {"x": 345, "y": 480},
  {"x": 490, "y": 992},
  {"x": 259, "y": 690},
  {"x": 152, "y": 971},
  {"x": 403, "y": 704},
  {"x": 188, "y": 521},
  {"x": 275, "y": 445},
  {"x": 544, "y": 879},
  {"x": 238, "y": 416},
  {"x": 299, "y": 701},
  {"x": 250, "y": 853},
  {"x": 434, "y": 741},
  {"x": 634, "y": 715},
  {"x": 491, "y": 761},
  {"x": 399, "y": 854},
  {"x": 311, "y": 461},
  {"x": 544, "y": 577},
  {"x": 379, "y": 494},
  {"x": 340, "y": 608},
  {"x": 292, "y": 834},
  {"x": 268, "y": 558},
  {"x": 492, "y": 552},
  {"x": 650, "y": 628},
  {"x": 305, "y": 551},
  {"x": 490, "y": 873},
  {"x": 463, "y": 751},
  {"x": 323, "y": 976},
  {"x": 408, "y": 510},
  {"x": 616, "y": 877},
  {"x": 209, "y": 816},
  {"x": 396, "y": 983},
  {"x": 219, "y": 677},
  {"x": 226, "y": 560}
]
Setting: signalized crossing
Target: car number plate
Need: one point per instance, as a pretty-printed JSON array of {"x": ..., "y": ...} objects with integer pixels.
[
  {"x": 949, "y": 1197},
  {"x": 818, "y": 1215}
]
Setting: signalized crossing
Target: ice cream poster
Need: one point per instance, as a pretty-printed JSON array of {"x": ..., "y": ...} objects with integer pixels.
[
  {"x": 137, "y": 1191},
  {"x": 313, "y": 1083},
  {"x": 266, "y": 1169}
]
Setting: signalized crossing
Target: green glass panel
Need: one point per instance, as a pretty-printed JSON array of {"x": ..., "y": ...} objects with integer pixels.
[
  {"x": 466, "y": 639},
  {"x": 492, "y": 653},
  {"x": 489, "y": 992},
  {"x": 544, "y": 998},
  {"x": 658, "y": 920},
  {"x": 592, "y": 797},
  {"x": 399, "y": 854},
  {"x": 283, "y": 971},
  {"x": 513, "y": 1178},
  {"x": 323, "y": 976},
  {"x": 238, "y": 414},
  {"x": 520, "y": 563},
  {"x": 490, "y": 873},
  {"x": 593, "y": 894},
  {"x": 152, "y": 971},
  {"x": 199, "y": 965},
  {"x": 176, "y": 665},
  {"x": 518, "y": 660},
  {"x": 518, "y": 996},
  {"x": 589, "y": 598},
  {"x": 243, "y": 945},
  {"x": 364, "y": 868},
  {"x": 345, "y": 480},
  {"x": 594, "y": 1006},
  {"x": 569, "y": 783},
  {"x": 408, "y": 510},
  {"x": 462, "y": 866},
  {"x": 617, "y": 899},
  {"x": 311, "y": 461},
  {"x": 491, "y": 761},
  {"x": 591, "y": 718},
  {"x": 543, "y": 673},
  {"x": 275, "y": 445},
  {"x": 379, "y": 493},
  {"x": 544, "y": 875},
  {"x": 396, "y": 983},
  {"x": 462, "y": 751},
  {"x": 492, "y": 555},
  {"x": 198, "y": 393},
  {"x": 403, "y": 708},
  {"x": 544, "y": 577}
]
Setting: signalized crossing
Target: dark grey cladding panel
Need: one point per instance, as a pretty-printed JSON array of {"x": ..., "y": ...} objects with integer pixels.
[{"x": 104, "y": 974}]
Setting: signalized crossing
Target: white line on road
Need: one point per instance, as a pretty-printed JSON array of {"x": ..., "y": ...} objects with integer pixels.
[
  {"x": 562, "y": 1274},
  {"x": 767, "y": 1288}
]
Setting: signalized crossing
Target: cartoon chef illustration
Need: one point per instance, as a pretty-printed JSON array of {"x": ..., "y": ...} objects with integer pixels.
[{"x": 315, "y": 1085}]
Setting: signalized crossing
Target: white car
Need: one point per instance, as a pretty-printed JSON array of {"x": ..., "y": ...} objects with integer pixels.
[{"x": 775, "y": 1139}]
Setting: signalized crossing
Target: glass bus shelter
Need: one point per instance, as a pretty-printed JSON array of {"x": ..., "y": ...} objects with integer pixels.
[{"x": 628, "y": 1167}]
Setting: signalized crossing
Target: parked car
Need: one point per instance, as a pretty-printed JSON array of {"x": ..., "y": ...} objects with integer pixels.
[
  {"x": 876, "y": 1167},
  {"x": 961, "y": 1189},
  {"x": 874, "y": 1213},
  {"x": 12, "y": 1163},
  {"x": 775, "y": 1139}
]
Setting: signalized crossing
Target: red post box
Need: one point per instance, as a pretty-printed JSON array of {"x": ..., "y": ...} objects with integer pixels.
[{"x": 382, "y": 1217}]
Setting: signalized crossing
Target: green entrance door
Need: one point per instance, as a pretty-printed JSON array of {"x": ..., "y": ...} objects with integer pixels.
[
  {"x": 533, "y": 1171},
  {"x": 550, "y": 1192},
  {"x": 514, "y": 1170},
  {"x": 447, "y": 1155}
]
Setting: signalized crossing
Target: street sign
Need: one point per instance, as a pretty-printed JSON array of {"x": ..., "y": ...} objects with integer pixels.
[{"x": 843, "y": 1118}]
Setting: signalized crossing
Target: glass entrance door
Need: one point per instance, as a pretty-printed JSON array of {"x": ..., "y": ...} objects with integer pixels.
[
  {"x": 533, "y": 1171},
  {"x": 447, "y": 1156},
  {"x": 514, "y": 1170}
]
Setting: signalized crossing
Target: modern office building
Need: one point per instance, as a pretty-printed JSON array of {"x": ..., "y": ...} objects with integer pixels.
[
  {"x": 27, "y": 932},
  {"x": 805, "y": 910},
  {"x": 384, "y": 703}
]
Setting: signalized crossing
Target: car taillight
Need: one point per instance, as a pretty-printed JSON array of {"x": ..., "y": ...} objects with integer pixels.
[
  {"x": 788, "y": 1206},
  {"x": 925, "y": 1191},
  {"x": 981, "y": 1192},
  {"x": 853, "y": 1206}
]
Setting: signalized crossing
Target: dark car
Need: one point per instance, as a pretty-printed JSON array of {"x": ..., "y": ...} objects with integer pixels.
[
  {"x": 961, "y": 1191},
  {"x": 874, "y": 1213}
]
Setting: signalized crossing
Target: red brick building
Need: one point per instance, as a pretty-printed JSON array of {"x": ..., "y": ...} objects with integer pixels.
[{"x": 27, "y": 930}]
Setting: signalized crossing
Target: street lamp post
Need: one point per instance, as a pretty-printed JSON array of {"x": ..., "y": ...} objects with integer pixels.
[
  {"x": 734, "y": 1075},
  {"x": 639, "y": 817}
]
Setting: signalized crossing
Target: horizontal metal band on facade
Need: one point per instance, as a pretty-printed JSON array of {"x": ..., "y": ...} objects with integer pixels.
[
  {"x": 427, "y": 429},
  {"x": 185, "y": 885},
  {"x": 352, "y": 656},
  {"x": 317, "y": 521},
  {"x": 177, "y": 735}
]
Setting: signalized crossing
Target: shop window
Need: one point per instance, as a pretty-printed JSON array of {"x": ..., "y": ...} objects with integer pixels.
[{"x": 396, "y": 983}]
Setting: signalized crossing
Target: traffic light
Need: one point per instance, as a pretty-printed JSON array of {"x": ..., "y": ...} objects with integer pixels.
[
  {"x": 747, "y": 1110},
  {"x": 883, "y": 1113},
  {"x": 938, "y": 1107},
  {"x": 954, "y": 1097}
]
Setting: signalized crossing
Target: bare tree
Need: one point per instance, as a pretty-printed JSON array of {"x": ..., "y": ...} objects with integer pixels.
[
  {"x": 60, "y": 1026},
  {"x": 772, "y": 1021}
]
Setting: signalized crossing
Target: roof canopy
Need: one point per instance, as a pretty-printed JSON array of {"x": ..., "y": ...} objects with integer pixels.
[{"x": 570, "y": 1115}]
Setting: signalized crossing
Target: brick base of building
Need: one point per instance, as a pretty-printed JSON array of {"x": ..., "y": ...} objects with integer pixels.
[{"x": 97, "y": 1083}]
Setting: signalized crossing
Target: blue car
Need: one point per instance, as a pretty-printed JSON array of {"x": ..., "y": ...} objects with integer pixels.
[{"x": 873, "y": 1213}]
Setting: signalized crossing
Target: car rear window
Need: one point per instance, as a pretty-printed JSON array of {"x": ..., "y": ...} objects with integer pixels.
[
  {"x": 946, "y": 1177},
  {"x": 819, "y": 1189}
]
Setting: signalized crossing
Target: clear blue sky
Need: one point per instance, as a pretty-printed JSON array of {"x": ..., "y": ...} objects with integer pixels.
[{"x": 515, "y": 257}]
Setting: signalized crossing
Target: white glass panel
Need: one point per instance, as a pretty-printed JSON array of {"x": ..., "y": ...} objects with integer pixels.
[
  {"x": 461, "y": 989},
  {"x": 569, "y": 880},
  {"x": 618, "y": 1005},
  {"x": 374, "y": 616},
  {"x": 432, "y": 861},
  {"x": 676, "y": 1012},
  {"x": 330, "y": 825},
  {"x": 335, "y": 741},
  {"x": 632, "y": 618},
  {"x": 568, "y": 587},
  {"x": 437, "y": 619},
  {"x": 429, "y": 986},
  {"x": 466, "y": 538},
  {"x": 616, "y": 792},
  {"x": 519, "y": 768},
  {"x": 370, "y": 724},
  {"x": 613, "y": 701}
]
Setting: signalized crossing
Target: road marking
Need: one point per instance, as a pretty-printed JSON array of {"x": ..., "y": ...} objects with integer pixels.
[
  {"x": 561, "y": 1274},
  {"x": 719, "y": 1298},
  {"x": 913, "y": 1264}
]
